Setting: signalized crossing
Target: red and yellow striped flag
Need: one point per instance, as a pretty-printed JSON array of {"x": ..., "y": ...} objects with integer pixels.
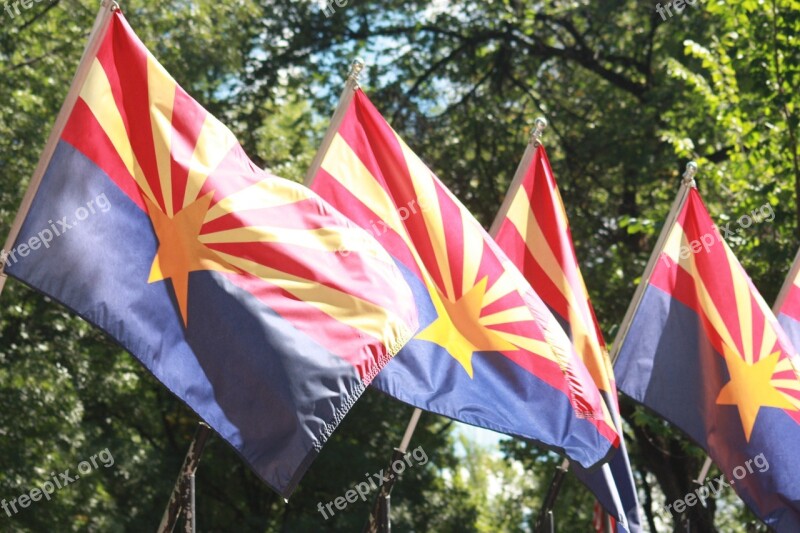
[
  {"x": 533, "y": 230},
  {"x": 489, "y": 352}
]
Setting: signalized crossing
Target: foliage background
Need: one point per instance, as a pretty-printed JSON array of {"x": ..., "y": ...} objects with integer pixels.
[{"x": 630, "y": 97}]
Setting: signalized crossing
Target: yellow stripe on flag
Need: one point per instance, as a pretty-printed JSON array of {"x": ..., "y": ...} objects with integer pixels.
[
  {"x": 425, "y": 187},
  {"x": 362, "y": 315},
  {"x": 342, "y": 240},
  {"x": 97, "y": 94},
  {"x": 213, "y": 144},
  {"x": 260, "y": 195},
  {"x": 161, "y": 93}
]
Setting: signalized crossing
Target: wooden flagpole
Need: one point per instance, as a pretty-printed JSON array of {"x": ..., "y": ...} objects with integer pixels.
[
  {"x": 350, "y": 88},
  {"x": 687, "y": 184},
  {"x": 181, "y": 501},
  {"x": 96, "y": 35},
  {"x": 787, "y": 284},
  {"x": 380, "y": 519},
  {"x": 540, "y": 124}
]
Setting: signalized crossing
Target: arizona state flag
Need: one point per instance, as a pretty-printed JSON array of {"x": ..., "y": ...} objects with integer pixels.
[
  {"x": 222, "y": 279},
  {"x": 489, "y": 353},
  {"x": 705, "y": 352},
  {"x": 532, "y": 229},
  {"x": 787, "y": 306}
]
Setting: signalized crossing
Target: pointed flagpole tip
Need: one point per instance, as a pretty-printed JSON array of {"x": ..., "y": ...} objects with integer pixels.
[
  {"x": 539, "y": 125},
  {"x": 356, "y": 67},
  {"x": 691, "y": 172}
]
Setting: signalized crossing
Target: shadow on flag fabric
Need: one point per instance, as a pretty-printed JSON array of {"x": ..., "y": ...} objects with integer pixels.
[
  {"x": 706, "y": 353},
  {"x": 533, "y": 230},
  {"x": 787, "y": 306},
  {"x": 223, "y": 280},
  {"x": 489, "y": 353}
]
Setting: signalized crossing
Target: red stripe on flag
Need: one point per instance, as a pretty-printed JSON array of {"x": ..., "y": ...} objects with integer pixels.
[
  {"x": 122, "y": 48},
  {"x": 791, "y": 305},
  {"x": 333, "y": 191},
  {"x": 680, "y": 285},
  {"x": 85, "y": 134},
  {"x": 289, "y": 216},
  {"x": 519, "y": 253},
  {"x": 454, "y": 241},
  {"x": 338, "y": 338},
  {"x": 367, "y": 134},
  {"x": 187, "y": 121},
  {"x": 713, "y": 264},
  {"x": 325, "y": 268}
]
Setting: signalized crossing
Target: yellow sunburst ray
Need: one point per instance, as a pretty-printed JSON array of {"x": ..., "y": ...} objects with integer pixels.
[
  {"x": 525, "y": 222},
  {"x": 672, "y": 246},
  {"x": 534, "y": 346},
  {"x": 341, "y": 306},
  {"x": 744, "y": 305},
  {"x": 506, "y": 316},
  {"x": 425, "y": 187},
  {"x": 795, "y": 402},
  {"x": 787, "y": 384},
  {"x": 784, "y": 365},
  {"x": 214, "y": 143},
  {"x": 473, "y": 254},
  {"x": 342, "y": 240},
  {"x": 161, "y": 94},
  {"x": 344, "y": 165},
  {"x": 709, "y": 307},
  {"x": 768, "y": 339},
  {"x": 503, "y": 286},
  {"x": 259, "y": 195},
  {"x": 97, "y": 94}
]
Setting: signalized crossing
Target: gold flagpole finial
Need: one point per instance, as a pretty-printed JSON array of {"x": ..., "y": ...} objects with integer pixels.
[
  {"x": 691, "y": 172},
  {"x": 539, "y": 125},
  {"x": 356, "y": 67}
]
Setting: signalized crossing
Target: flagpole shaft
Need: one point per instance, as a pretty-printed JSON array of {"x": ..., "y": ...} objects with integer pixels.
[
  {"x": 350, "y": 88},
  {"x": 410, "y": 428},
  {"x": 624, "y": 327},
  {"x": 545, "y": 521},
  {"x": 379, "y": 519},
  {"x": 96, "y": 35},
  {"x": 704, "y": 471},
  {"x": 182, "y": 497},
  {"x": 787, "y": 284},
  {"x": 516, "y": 183}
]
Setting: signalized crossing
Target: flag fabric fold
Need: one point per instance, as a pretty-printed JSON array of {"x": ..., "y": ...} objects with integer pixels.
[
  {"x": 706, "y": 353},
  {"x": 223, "y": 280},
  {"x": 787, "y": 306},
  {"x": 489, "y": 352},
  {"x": 533, "y": 230}
]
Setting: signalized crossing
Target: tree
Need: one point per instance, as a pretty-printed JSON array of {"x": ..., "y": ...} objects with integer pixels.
[{"x": 630, "y": 96}]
